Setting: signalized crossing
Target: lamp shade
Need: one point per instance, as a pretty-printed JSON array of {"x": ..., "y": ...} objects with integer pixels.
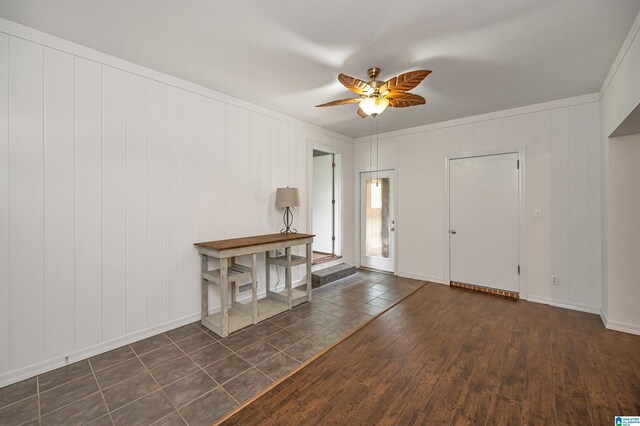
[{"x": 287, "y": 197}]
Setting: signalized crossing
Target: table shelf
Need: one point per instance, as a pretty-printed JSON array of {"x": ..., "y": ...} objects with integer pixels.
[
  {"x": 235, "y": 273},
  {"x": 282, "y": 260},
  {"x": 240, "y": 315},
  {"x": 298, "y": 297}
]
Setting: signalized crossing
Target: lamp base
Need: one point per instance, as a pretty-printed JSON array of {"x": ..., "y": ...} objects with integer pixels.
[{"x": 287, "y": 217}]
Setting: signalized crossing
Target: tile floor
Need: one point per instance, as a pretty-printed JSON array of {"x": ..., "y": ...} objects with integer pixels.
[{"x": 190, "y": 375}]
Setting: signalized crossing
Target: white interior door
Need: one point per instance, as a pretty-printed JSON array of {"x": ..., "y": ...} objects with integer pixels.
[
  {"x": 483, "y": 221},
  {"x": 377, "y": 223}
]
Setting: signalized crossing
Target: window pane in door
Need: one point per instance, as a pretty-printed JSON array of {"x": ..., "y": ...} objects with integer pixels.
[{"x": 378, "y": 219}]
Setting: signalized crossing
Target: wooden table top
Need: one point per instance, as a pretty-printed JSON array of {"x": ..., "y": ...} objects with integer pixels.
[{"x": 235, "y": 243}]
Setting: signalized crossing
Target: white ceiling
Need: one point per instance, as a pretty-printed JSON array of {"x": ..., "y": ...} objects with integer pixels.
[{"x": 486, "y": 55}]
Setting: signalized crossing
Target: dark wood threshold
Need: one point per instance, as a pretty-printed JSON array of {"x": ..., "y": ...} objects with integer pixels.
[
  {"x": 504, "y": 293},
  {"x": 310, "y": 360},
  {"x": 327, "y": 258}
]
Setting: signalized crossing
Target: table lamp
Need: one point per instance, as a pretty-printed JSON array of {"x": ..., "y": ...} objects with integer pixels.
[{"x": 287, "y": 198}]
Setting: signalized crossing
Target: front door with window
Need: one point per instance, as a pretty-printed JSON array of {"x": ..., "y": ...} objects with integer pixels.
[{"x": 377, "y": 223}]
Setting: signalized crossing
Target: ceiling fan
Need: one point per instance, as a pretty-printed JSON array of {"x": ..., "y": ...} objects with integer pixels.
[{"x": 376, "y": 96}]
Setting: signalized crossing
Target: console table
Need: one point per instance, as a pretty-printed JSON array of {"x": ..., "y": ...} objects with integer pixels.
[{"x": 240, "y": 315}]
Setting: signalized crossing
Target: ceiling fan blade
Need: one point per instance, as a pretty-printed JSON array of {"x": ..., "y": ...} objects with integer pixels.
[
  {"x": 355, "y": 85},
  {"x": 398, "y": 95},
  {"x": 361, "y": 113},
  {"x": 408, "y": 101},
  {"x": 341, "y": 102},
  {"x": 404, "y": 82}
]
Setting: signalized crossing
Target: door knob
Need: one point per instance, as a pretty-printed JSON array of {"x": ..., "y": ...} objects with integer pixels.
[{"x": 453, "y": 231}]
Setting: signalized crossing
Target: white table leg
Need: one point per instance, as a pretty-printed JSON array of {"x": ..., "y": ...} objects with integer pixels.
[
  {"x": 224, "y": 288},
  {"x": 204, "y": 289},
  {"x": 254, "y": 289},
  {"x": 288, "y": 277},
  {"x": 267, "y": 267},
  {"x": 309, "y": 278}
]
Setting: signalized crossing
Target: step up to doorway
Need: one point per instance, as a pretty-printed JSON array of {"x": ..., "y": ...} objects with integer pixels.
[{"x": 329, "y": 275}]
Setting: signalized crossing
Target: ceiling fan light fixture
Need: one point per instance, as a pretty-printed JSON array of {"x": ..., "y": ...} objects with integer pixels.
[{"x": 374, "y": 105}]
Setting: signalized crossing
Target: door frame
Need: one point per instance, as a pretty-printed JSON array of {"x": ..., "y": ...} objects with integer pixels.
[
  {"x": 338, "y": 183},
  {"x": 522, "y": 212},
  {"x": 358, "y": 213}
]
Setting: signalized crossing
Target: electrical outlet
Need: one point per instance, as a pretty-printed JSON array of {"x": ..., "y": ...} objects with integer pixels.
[
  {"x": 555, "y": 280},
  {"x": 537, "y": 213}
]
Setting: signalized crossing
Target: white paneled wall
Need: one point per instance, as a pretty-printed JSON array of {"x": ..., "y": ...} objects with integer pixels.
[
  {"x": 107, "y": 178},
  {"x": 59, "y": 199},
  {"x": 5, "y": 301},
  {"x": 562, "y": 175},
  {"x": 88, "y": 201},
  {"x": 26, "y": 201}
]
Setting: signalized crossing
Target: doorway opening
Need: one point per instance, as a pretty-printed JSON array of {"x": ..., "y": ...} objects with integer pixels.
[{"x": 326, "y": 206}]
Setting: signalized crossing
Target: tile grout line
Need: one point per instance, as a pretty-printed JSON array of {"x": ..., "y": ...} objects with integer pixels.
[
  {"x": 101, "y": 394},
  {"x": 316, "y": 356},
  {"x": 234, "y": 353},
  {"x": 74, "y": 401},
  {"x": 56, "y": 387},
  {"x": 99, "y": 388},
  {"x": 203, "y": 370},
  {"x": 136, "y": 355},
  {"x": 307, "y": 338},
  {"x": 38, "y": 394},
  {"x": 180, "y": 378},
  {"x": 239, "y": 356},
  {"x": 156, "y": 382},
  {"x": 65, "y": 383},
  {"x": 24, "y": 399},
  {"x": 199, "y": 329}
]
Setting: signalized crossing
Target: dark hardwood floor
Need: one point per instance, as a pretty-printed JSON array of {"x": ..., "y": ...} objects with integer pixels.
[{"x": 451, "y": 356}]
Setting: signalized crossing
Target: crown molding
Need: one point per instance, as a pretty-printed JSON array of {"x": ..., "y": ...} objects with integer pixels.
[
  {"x": 545, "y": 106},
  {"x": 36, "y": 36}
]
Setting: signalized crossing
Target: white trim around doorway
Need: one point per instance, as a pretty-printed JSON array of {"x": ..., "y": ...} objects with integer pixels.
[{"x": 338, "y": 186}]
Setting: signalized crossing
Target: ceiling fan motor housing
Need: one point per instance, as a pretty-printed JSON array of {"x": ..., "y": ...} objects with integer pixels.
[{"x": 373, "y": 74}]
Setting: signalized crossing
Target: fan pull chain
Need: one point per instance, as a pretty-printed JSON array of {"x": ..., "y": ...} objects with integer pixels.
[
  {"x": 370, "y": 150},
  {"x": 377, "y": 153}
]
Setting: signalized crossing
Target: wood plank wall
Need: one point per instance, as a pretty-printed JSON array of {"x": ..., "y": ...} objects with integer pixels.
[{"x": 107, "y": 177}]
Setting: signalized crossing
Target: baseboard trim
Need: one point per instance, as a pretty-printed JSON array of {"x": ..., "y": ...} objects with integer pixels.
[
  {"x": 564, "y": 304},
  {"x": 15, "y": 376},
  {"x": 603, "y": 317},
  {"x": 84, "y": 353},
  {"x": 619, "y": 326}
]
